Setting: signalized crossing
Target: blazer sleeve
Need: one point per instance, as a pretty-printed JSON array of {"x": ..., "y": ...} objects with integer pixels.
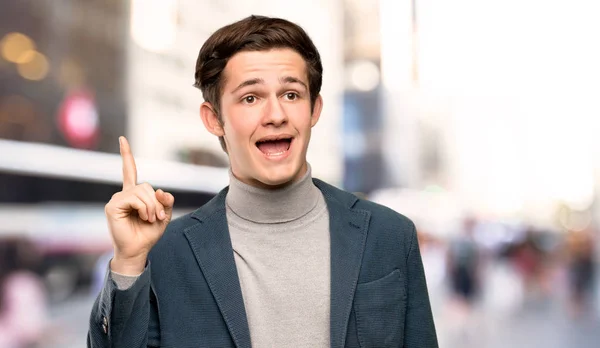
[
  {"x": 125, "y": 318},
  {"x": 419, "y": 325}
]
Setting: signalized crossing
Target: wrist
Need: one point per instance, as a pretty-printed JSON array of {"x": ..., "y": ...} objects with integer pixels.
[{"x": 133, "y": 266}]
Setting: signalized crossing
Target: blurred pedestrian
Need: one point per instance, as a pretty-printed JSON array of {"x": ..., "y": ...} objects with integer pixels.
[
  {"x": 23, "y": 307},
  {"x": 463, "y": 265},
  {"x": 528, "y": 259},
  {"x": 463, "y": 272},
  {"x": 581, "y": 270}
]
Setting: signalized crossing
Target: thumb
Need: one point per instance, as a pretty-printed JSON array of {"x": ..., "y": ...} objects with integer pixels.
[{"x": 167, "y": 200}]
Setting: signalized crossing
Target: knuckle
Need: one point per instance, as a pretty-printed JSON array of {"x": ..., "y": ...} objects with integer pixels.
[
  {"x": 140, "y": 191},
  {"x": 142, "y": 211},
  {"x": 151, "y": 206},
  {"x": 109, "y": 206},
  {"x": 147, "y": 186},
  {"x": 141, "y": 204}
]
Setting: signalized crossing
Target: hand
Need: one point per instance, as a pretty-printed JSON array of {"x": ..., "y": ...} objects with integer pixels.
[{"x": 137, "y": 218}]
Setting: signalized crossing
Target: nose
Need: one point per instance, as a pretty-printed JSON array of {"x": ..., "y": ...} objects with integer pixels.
[{"x": 274, "y": 113}]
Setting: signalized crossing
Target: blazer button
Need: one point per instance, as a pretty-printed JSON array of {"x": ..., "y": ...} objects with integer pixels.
[{"x": 105, "y": 325}]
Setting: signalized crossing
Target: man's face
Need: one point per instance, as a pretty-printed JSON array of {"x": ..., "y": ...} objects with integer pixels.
[{"x": 267, "y": 116}]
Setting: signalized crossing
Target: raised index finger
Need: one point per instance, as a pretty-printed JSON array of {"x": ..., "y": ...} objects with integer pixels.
[{"x": 129, "y": 169}]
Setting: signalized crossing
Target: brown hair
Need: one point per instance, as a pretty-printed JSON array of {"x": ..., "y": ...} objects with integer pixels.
[{"x": 254, "y": 33}]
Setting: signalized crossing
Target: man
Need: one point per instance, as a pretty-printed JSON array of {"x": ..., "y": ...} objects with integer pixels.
[{"x": 277, "y": 259}]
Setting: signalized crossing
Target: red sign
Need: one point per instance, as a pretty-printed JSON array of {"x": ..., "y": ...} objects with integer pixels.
[{"x": 78, "y": 119}]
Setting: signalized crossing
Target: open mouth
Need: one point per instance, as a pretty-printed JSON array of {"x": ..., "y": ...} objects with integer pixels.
[{"x": 274, "y": 146}]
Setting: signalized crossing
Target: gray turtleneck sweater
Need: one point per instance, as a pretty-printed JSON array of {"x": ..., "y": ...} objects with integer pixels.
[{"x": 281, "y": 247}]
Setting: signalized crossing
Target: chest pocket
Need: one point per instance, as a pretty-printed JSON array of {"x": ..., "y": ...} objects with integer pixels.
[{"x": 380, "y": 308}]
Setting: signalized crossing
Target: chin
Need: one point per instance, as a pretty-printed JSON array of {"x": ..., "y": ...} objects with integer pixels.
[{"x": 278, "y": 176}]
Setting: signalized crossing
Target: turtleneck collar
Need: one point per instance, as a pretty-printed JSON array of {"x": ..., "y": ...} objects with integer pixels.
[{"x": 280, "y": 205}]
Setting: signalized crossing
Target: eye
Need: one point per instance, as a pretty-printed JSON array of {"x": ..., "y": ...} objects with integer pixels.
[
  {"x": 291, "y": 96},
  {"x": 249, "y": 99}
]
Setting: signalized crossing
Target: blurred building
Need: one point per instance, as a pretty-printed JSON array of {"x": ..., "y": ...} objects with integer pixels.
[
  {"x": 392, "y": 144},
  {"x": 62, "y": 82},
  {"x": 364, "y": 166},
  {"x": 62, "y": 72}
]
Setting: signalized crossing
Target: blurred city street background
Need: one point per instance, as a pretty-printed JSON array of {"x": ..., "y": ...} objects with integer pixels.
[{"x": 477, "y": 119}]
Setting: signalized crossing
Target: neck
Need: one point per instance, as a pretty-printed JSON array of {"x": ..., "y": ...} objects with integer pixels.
[{"x": 273, "y": 205}]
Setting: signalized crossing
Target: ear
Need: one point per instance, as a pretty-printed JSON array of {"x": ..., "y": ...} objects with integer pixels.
[
  {"x": 316, "y": 111},
  {"x": 211, "y": 120}
]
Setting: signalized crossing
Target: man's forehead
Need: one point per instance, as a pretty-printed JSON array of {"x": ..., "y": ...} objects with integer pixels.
[{"x": 266, "y": 65}]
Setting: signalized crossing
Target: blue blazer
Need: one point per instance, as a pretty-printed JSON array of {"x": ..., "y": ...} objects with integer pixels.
[{"x": 190, "y": 296}]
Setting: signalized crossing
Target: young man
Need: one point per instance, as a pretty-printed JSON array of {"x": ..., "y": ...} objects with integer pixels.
[{"x": 277, "y": 259}]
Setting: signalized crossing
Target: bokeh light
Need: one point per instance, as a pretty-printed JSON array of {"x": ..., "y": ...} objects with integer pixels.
[
  {"x": 13, "y": 45},
  {"x": 36, "y": 68}
]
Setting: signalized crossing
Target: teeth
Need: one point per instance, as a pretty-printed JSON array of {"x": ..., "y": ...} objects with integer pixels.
[
  {"x": 264, "y": 141},
  {"x": 275, "y": 153}
]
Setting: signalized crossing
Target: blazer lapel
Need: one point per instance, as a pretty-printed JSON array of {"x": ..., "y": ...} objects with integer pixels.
[
  {"x": 348, "y": 230},
  {"x": 212, "y": 248}
]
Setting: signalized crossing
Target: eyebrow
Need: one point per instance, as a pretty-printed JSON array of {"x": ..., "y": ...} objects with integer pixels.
[
  {"x": 247, "y": 83},
  {"x": 259, "y": 81},
  {"x": 291, "y": 79}
]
